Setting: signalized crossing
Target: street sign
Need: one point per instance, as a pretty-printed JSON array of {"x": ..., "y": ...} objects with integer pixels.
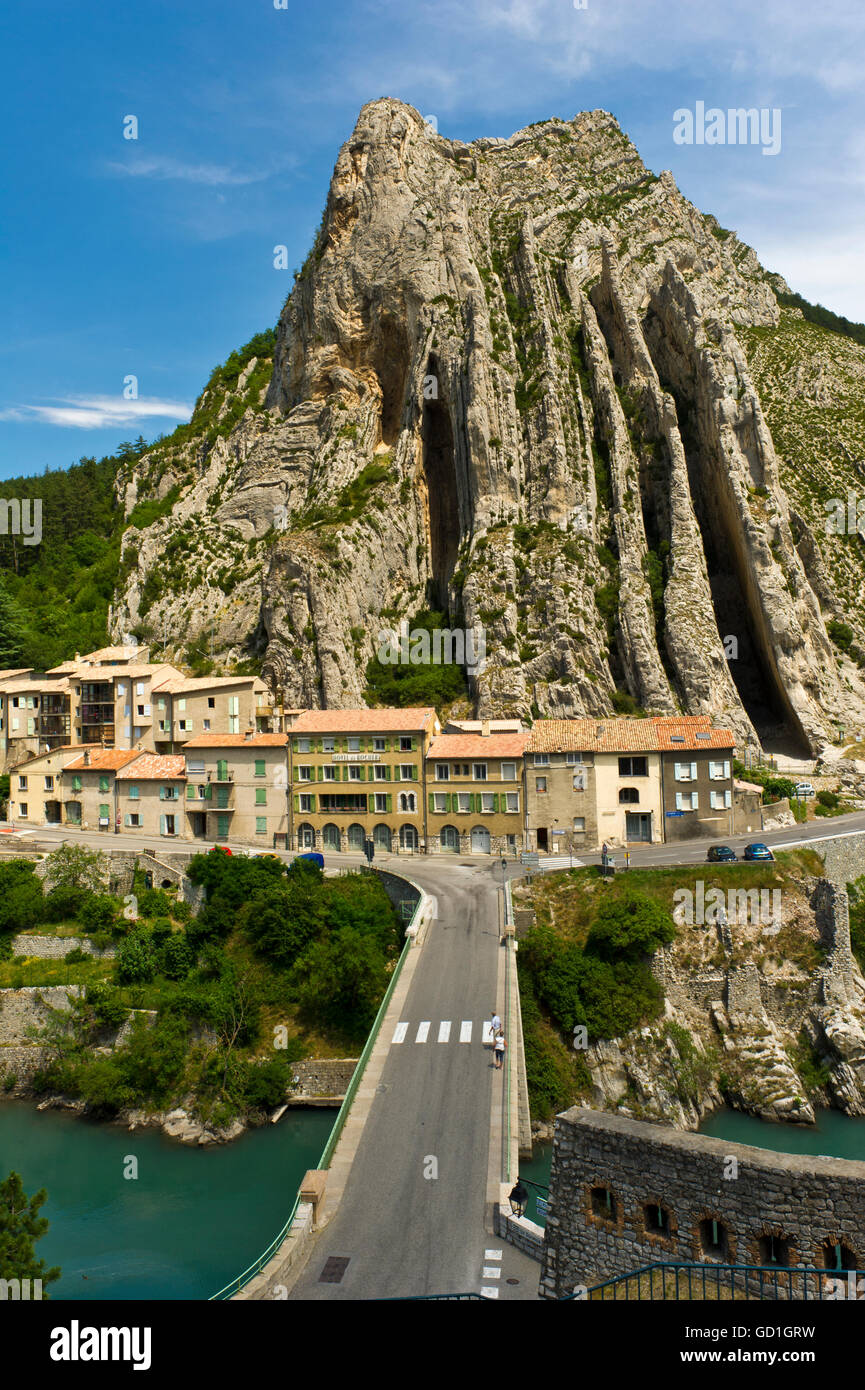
[
  {"x": 542, "y": 1206},
  {"x": 531, "y": 861},
  {"x": 674, "y": 813}
]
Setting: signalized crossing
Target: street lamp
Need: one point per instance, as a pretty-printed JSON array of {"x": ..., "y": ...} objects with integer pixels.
[{"x": 518, "y": 1198}]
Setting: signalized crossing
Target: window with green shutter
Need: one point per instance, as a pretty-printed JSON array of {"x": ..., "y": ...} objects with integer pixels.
[
  {"x": 432, "y": 804},
  {"x": 104, "y": 812},
  {"x": 221, "y": 827},
  {"x": 76, "y": 784},
  {"x": 261, "y": 825},
  {"x": 104, "y": 784},
  {"x": 261, "y": 796},
  {"x": 190, "y": 793},
  {"x": 297, "y": 803},
  {"x": 414, "y": 776},
  {"x": 259, "y": 767},
  {"x": 389, "y": 803},
  {"x": 222, "y": 795}
]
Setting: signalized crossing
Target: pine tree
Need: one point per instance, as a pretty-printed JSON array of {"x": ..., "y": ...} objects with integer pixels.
[{"x": 20, "y": 1226}]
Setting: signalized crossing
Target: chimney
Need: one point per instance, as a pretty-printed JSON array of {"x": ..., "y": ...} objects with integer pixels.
[
  {"x": 247, "y": 734},
  {"x": 86, "y": 757},
  {"x": 485, "y": 728}
]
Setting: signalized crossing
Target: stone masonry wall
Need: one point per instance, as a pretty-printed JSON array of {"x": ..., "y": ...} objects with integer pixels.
[
  {"x": 844, "y": 857},
  {"x": 811, "y": 1203},
  {"x": 327, "y": 1076},
  {"x": 56, "y": 947}
]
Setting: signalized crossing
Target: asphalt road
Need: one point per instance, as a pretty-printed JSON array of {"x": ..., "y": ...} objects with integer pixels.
[{"x": 403, "y": 1233}]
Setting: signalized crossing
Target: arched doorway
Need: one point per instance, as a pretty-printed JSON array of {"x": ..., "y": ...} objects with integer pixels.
[
  {"x": 382, "y": 838},
  {"x": 450, "y": 839},
  {"x": 407, "y": 837},
  {"x": 330, "y": 836},
  {"x": 480, "y": 840},
  {"x": 356, "y": 836},
  {"x": 305, "y": 836}
]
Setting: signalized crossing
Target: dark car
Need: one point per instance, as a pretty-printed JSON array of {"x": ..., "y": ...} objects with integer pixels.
[
  {"x": 721, "y": 854},
  {"x": 313, "y": 857},
  {"x": 758, "y": 852}
]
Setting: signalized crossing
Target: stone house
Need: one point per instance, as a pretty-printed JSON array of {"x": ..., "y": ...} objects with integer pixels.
[
  {"x": 151, "y": 795},
  {"x": 36, "y": 787},
  {"x": 237, "y": 788},
  {"x": 475, "y": 793},
  {"x": 358, "y": 774}
]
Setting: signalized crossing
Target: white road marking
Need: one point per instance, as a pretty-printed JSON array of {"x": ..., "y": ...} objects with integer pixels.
[
  {"x": 491, "y": 1272},
  {"x": 491, "y": 1292},
  {"x": 422, "y": 1031},
  {"x": 466, "y": 1031},
  {"x": 492, "y": 1254},
  {"x": 488, "y": 1032},
  {"x": 399, "y": 1033},
  {"x": 444, "y": 1032}
]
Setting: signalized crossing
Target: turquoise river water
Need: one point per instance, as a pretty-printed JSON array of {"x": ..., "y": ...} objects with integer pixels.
[
  {"x": 834, "y": 1135},
  {"x": 192, "y": 1220}
]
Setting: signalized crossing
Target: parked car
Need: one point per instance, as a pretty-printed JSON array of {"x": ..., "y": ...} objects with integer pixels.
[
  {"x": 758, "y": 852},
  {"x": 313, "y": 856},
  {"x": 721, "y": 854},
  {"x": 804, "y": 789}
]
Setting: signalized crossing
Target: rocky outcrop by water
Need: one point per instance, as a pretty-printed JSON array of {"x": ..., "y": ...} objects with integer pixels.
[{"x": 510, "y": 382}]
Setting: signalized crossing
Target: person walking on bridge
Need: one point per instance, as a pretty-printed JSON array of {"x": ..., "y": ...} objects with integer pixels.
[
  {"x": 499, "y": 1047},
  {"x": 495, "y": 1023}
]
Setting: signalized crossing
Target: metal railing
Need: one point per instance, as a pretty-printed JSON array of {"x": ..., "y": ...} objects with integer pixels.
[
  {"x": 237, "y": 1284},
  {"x": 682, "y": 1282}
]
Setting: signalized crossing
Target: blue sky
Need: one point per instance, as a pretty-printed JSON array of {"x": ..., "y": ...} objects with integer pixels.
[{"x": 154, "y": 257}]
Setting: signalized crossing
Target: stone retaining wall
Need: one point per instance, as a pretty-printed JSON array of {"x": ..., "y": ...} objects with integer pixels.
[
  {"x": 844, "y": 857},
  {"x": 519, "y": 1231},
  {"x": 806, "y": 1205},
  {"x": 323, "y": 1076},
  {"x": 56, "y": 947}
]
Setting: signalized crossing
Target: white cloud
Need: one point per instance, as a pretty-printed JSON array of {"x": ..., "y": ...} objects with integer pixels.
[
  {"x": 98, "y": 412},
  {"x": 164, "y": 167}
]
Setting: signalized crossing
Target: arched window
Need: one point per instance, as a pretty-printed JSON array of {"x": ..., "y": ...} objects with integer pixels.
[
  {"x": 356, "y": 836},
  {"x": 603, "y": 1204},
  {"x": 408, "y": 801},
  {"x": 773, "y": 1249},
  {"x": 450, "y": 838},
  {"x": 837, "y": 1254},
  {"x": 407, "y": 837},
  {"x": 629, "y": 796},
  {"x": 656, "y": 1220},
  {"x": 330, "y": 837},
  {"x": 305, "y": 836},
  {"x": 381, "y": 837}
]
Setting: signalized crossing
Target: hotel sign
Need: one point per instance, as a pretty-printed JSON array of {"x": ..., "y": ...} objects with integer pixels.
[{"x": 356, "y": 757}]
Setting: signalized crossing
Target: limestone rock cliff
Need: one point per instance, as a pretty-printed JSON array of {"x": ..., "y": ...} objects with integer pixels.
[{"x": 521, "y": 381}]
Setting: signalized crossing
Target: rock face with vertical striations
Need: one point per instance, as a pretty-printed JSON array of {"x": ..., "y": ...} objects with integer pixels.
[{"x": 512, "y": 383}]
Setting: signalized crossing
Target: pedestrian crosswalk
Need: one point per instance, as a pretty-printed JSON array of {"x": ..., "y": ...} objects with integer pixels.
[
  {"x": 491, "y": 1271},
  {"x": 422, "y": 1032}
]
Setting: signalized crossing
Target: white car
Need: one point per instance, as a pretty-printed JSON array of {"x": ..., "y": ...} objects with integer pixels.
[{"x": 804, "y": 789}]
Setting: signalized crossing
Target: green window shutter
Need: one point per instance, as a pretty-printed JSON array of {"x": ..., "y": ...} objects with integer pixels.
[
  {"x": 128, "y": 819},
  {"x": 297, "y": 803},
  {"x": 208, "y": 791},
  {"x": 261, "y": 796},
  {"x": 261, "y": 825},
  {"x": 389, "y": 803},
  {"x": 387, "y": 773},
  {"x": 190, "y": 793},
  {"x": 473, "y": 802},
  {"x": 363, "y": 771},
  {"x": 104, "y": 812},
  {"x": 222, "y": 794},
  {"x": 320, "y": 773},
  {"x": 103, "y": 784},
  {"x": 259, "y": 767},
  {"x": 431, "y": 802},
  {"x": 312, "y": 803},
  {"x": 162, "y": 825},
  {"x": 414, "y": 776},
  {"x": 221, "y": 827},
  {"x": 76, "y": 784},
  {"x": 495, "y": 802},
  {"x": 396, "y": 773},
  {"x": 413, "y": 743}
]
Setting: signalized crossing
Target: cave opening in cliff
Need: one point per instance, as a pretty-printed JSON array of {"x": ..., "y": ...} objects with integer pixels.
[
  {"x": 391, "y": 362},
  {"x": 749, "y": 656},
  {"x": 439, "y": 474}
]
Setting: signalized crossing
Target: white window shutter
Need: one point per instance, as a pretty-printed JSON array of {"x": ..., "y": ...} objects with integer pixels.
[
  {"x": 728, "y": 799},
  {"x": 695, "y": 801},
  {"x": 679, "y": 800},
  {"x": 726, "y": 768},
  {"x": 693, "y": 772}
]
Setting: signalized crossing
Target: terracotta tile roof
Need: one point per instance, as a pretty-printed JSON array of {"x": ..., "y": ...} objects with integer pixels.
[
  {"x": 35, "y": 685},
  {"x": 237, "y": 741},
  {"x": 362, "y": 721},
  {"x": 63, "y": 748},
  {"x": 174, "y": 684},
  {"x": 154, "y": 766},
  {"x": 104, "y": 760},
  {"x": 624, "y": 735},
  {"x": 476, "y": 746}
]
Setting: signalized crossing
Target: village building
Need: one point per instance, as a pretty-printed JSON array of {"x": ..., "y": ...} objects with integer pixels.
[
  {"x": 237, "y": 787},
  {"x": 475, "y": 793},
  {"x": 360, "y": 774}
]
